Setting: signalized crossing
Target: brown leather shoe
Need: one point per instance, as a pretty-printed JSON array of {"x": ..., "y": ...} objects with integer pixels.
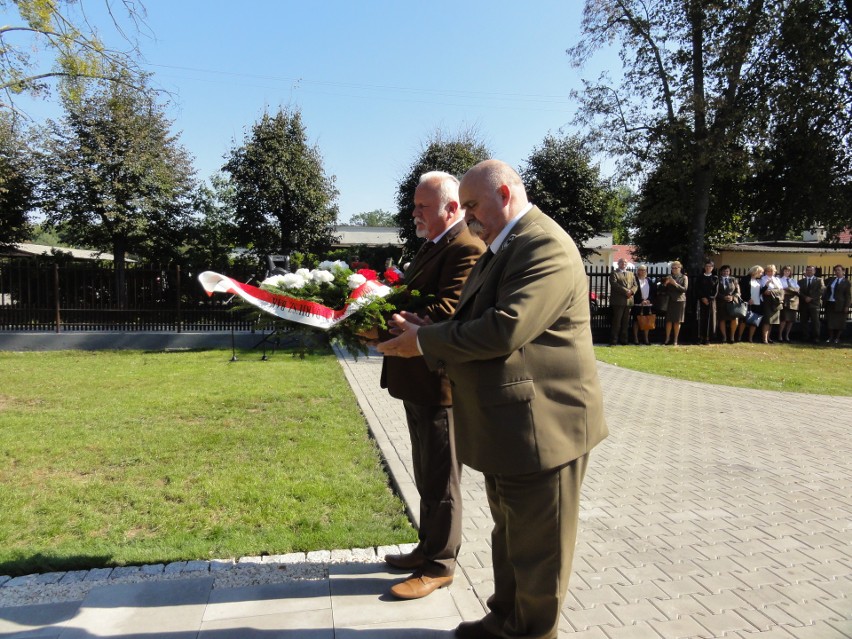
[
  {"x": 474, "y": 630},
  {"x": 419, "y": 585},
  {"x": 409, "y": 561}
]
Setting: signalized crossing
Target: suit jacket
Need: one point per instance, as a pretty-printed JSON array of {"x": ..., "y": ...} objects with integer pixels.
[
  {"x": 842, "y": 295},
  {"x": 439, "y": 272},
  {"x": 814, "y": 290},
  {"x": 675, "y": 290},
  {"x": 518, "y": 352},
  {"x": 622, "y": 288},
  {"x": 652, "y": 292},
  {"x": 732, "y": 289}
]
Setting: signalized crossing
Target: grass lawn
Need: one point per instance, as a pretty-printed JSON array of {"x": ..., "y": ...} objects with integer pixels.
[
  {"x": 800, "y": 368},
  {"x": 129, "y": 457}
]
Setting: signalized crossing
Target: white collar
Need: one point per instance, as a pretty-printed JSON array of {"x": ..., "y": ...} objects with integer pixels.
[
  {"x": 498, "y": 241},
  {"x": 447, "y": 230}
]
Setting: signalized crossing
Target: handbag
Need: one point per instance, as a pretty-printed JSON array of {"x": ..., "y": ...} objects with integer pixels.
[
  {"x": 753, "y": 319},
  {"x": 647, "y": 322},
  {"x": 737, "y": 309},
  {"x": 661, "y": 304}
]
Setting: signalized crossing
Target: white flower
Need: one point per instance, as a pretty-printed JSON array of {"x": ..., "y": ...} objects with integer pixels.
[
  {"x": 292, "y": 281},
  {"x": 321, "y": 276},
  {"x": 355, "y": 280},
  {"x": 304, "y": 273},
  {"x": 329, "y": 266},
  {"x": 275, "y": 280}
]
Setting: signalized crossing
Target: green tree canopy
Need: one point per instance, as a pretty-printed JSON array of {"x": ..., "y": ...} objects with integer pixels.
[
  {"x": 283, "y": 199},
  {"x": 212, "y": 230},
  {"x": 17, "y": 184},
  {"x": 454, "y": 154},
  {"x": 562, "y": 181},
  {"x": 46, "y": 40},
  {"x": 377, "y": 217},
  {"x": 115, "y": 177},
  {"x": 706, "y": 88}
]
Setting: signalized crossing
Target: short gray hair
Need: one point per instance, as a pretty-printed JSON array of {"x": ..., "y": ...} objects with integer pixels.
[{"x": 448, "y": 184}]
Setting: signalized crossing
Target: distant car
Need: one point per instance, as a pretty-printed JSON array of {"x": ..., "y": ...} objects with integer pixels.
[{"x": 593, "y": 302}]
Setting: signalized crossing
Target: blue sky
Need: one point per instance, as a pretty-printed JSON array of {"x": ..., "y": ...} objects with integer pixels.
[{"x": 373, "y": 79}]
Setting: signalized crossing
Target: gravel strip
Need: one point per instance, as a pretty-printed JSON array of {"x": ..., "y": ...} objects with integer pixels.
[{"x": 57, "y": 587}]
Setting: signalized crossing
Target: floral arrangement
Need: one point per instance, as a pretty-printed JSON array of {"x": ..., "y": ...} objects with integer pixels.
[{"x": 330, "y": 302}]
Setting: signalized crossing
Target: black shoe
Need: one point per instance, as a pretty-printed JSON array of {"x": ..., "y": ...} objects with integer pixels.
[{"x": 474, "y": 630}]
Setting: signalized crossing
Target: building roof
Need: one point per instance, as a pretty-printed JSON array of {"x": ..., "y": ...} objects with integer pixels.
[
  {"x": 787, "y": 247},
  {"x": 27, "y": 250},
  {"x": 367, "y": 235}
]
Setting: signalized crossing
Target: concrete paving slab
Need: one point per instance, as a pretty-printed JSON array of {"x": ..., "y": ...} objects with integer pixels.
[
  {"x": 42, "y": 621},
  {"x": 306, "y": 624},
  {"x": 165, "y": 609},
  {"x": 269, "y": 599},
  {"x": 359, "y": 597}
]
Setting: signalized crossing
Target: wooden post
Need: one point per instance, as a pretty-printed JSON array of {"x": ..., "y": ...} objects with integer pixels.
[
  {"x": 177, "y": 287},
  {"x": 56, "y": 295}
]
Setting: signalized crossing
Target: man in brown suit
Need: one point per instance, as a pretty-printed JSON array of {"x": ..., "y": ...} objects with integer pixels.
[
  {"x": 810, "y": 298},
  {"x": 526, "y": 395},
  {"x": 622, "y": 288},
  {"x": 438, "y": 271}
]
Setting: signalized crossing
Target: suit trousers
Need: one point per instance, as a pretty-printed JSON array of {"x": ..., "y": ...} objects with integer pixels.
[
  {"x": 437, "y": 476},
  {"x": 532, "y": 544},
  {"x": 620, "y": 319},
  {"x": 809, "y": 313},
  {"x": 706, "y": 320}
]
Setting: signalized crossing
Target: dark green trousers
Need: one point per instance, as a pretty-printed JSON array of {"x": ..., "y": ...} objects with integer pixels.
[{"x": 535, "y": 530}]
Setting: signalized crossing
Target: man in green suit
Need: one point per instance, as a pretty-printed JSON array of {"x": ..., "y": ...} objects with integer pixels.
[
  {"x": 437, "y": 271},
  {"x": 526, "y": 395}
]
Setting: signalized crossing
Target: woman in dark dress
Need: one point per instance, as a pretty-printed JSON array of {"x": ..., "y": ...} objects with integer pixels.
[
  {"x": 675, "y": 285},
  {"x": 729, "y": 291},
  {"x": 643, "y": 301}
]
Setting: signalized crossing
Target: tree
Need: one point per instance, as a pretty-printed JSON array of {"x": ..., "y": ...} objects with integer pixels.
[
  {"x": 61, "y": 28},
  {"x": 17, "y": 184},
  {"x": 211, "y": 239},
  {"x": 562, "y": 181},
  {"x": 283, "y": 199},
  {"x": 377, "y": 217},
  {"x": 115, "y": 178},
  {"x": 697, "y": 83},
  {"x": 453, "y": 154}
]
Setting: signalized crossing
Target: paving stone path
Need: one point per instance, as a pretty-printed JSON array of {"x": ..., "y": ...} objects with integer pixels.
[{"x": 709, "y": 512}]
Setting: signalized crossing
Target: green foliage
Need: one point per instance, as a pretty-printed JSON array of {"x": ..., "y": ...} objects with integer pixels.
[
  {"x": 282, "y": 197},
  {"x": 742, "y": 108},
  {"x": 63, "y": 29},
  {"x": 212, "y": 232},
  {"x": 17, "y": 184},
  {"x": 127, "y": 458},
  {"x": 115, "y": 178},
  {"x": 452, "y": 154},
  {"x": 561, "y": 180},
  {"x": 377, "y": 217}
]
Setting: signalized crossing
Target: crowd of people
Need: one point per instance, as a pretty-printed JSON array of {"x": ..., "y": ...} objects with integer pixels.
[{"x": 763, "y": 305}]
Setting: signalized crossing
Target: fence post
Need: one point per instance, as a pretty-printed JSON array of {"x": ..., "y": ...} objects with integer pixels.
[
  {"x": 177, "y": 287},
  {"x": 56, "y": 294}
]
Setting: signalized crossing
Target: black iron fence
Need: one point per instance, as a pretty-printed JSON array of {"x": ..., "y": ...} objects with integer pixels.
[
  {"x": 43, "y": 295},
  {"x": 37, "y": 295}
]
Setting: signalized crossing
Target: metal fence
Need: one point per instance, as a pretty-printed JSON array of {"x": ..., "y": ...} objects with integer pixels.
[
  {"x": 43, "y": 295},
  {"x": 37, "y": 295}
]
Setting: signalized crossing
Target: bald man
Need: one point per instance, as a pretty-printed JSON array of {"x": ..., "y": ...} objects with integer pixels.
[{"x": 526, "y": 395}]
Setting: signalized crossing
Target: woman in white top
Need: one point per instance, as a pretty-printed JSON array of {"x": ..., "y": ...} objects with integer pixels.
[
  {"x": 772, "y": 296},
  {"x": 750, "y": 291},
  {"x": 790, "y": 305}
]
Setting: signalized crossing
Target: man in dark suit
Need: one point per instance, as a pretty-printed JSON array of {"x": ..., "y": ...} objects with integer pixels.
[
  {"x": 526, "y": 395},
  {"x": 437, "y": 271},
  {"x": 622, "y": 287},
  {"x": 810, "y": 299}
]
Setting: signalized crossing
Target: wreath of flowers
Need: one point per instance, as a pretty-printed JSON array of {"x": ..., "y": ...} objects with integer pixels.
[{"x": 336, "y": 289}]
